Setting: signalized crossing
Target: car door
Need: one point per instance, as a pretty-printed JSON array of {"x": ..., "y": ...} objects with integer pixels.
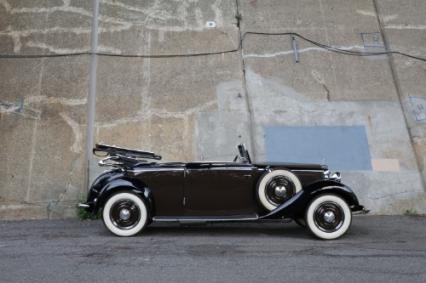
[
  {"x": 166, "y": 185},
  {"x": 218, "y": 189}
]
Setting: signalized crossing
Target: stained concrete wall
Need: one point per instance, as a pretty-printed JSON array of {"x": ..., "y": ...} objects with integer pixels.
[
  {"x": 404, "y": 26},
  {"x": 200, "y": 107}
]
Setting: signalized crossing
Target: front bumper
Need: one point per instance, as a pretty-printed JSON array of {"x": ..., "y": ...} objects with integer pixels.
[{"x": 359, "y": 209}]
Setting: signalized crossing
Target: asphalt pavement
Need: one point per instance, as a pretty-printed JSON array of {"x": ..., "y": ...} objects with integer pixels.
[{"x": 376, "y": 249}]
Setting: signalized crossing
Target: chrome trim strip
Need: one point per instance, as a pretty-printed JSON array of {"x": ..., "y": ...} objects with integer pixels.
[
  {"x": 226, "y": 168},
  {"x": 183, "y": 168},
  {"x": 154, "y": 169},
  {"x": 179, "y": 219},
  {"x": 307, "y": 170}
]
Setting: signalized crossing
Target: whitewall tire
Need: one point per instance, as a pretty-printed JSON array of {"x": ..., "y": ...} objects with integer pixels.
[
  {"x": 328, "y": 217},
  {"x": 276, "y": 187},
  {"x": 125, "y": 214}
]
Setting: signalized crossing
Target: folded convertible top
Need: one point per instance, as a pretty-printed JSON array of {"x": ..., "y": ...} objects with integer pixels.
[{"x": 102, "y": 150}]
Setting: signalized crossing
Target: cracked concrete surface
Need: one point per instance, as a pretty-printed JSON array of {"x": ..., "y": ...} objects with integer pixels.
[{"x": 191, "y": 108}]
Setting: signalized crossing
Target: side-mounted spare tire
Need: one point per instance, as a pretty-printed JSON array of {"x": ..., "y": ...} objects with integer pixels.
[{"x": 276, "y": 187}]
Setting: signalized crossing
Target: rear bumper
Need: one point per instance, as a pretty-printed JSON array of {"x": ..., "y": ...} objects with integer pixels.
[
  {"x": 83, "y": 205},
  {"x": 359, "y": 209}
]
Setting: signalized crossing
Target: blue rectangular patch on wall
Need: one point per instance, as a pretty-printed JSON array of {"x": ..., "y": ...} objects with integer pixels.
[{"x": 340, "y": 147}]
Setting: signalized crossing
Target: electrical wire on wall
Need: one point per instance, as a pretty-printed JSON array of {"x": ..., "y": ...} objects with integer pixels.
[
  {"x": 336, "y": 49},
  {"x": 293, "y": 34}
]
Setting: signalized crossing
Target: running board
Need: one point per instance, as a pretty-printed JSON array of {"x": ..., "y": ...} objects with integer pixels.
[{"x": 205, "y": 219}]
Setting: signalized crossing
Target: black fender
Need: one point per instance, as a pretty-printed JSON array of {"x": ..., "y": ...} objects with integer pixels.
[
  {"x": 296, "y": 206},
  {"x": 122, "y": 184}
]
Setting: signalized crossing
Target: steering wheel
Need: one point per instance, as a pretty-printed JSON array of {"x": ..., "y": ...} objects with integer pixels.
[{"x": 243, "y": 153}]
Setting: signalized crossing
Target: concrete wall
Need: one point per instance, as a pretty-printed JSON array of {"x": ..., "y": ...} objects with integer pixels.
[{"x": 200, "y": 107}]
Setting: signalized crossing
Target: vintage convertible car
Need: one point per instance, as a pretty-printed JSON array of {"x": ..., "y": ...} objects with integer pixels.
[{"x": 139, "y": 191}]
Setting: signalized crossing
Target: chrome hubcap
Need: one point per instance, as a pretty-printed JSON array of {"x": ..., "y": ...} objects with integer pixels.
[
  {"x": 124, "y": 214},
  {"x": 329, "y": 216},
  {"x": 280, "y": 191}
]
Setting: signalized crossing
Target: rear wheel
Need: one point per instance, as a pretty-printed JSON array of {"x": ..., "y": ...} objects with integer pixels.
[
  {"x": 328, "y": 217},
  {"x": 125, "y": 214}
]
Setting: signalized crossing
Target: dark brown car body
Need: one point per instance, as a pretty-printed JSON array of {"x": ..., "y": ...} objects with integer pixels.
[{"x": 212, "y": 191}]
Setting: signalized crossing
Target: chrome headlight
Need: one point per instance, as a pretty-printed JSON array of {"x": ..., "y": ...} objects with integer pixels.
[
  {"x": 333, "y": 176},
  {"x": 326, "y": 174},
  {"x": 336, "y": 176}
]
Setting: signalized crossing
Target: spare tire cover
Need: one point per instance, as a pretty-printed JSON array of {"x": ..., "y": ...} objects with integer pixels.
[{"x": 276, "y": 187}]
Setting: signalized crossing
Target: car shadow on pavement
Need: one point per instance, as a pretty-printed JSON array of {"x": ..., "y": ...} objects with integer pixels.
[{"x": 288, "y": 230}]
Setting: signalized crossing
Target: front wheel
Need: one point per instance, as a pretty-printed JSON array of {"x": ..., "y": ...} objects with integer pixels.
[
  {"x": 125, "y": 214},
  {"x": 328, "y": 217}
]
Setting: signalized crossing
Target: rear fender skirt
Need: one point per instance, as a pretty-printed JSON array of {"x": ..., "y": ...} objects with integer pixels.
[
  {"x": 296, "y": 205},
  {"x": 120, "y": 185}
]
